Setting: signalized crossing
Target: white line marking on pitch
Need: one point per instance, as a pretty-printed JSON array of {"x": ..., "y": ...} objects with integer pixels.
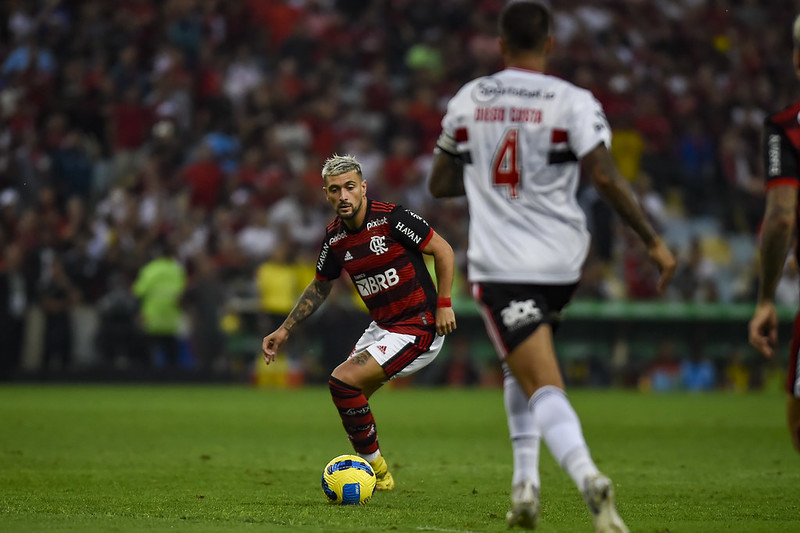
[{"x": 420, "y": 528}]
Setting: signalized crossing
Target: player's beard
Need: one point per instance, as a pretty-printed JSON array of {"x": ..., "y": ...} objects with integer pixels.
[{"x": 354, "y": 209}]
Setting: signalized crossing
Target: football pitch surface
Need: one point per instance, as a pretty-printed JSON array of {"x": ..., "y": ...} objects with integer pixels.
[{"x": 234, "y": 458}]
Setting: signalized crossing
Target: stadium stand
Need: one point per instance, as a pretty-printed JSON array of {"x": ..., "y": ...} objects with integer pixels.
[{"x": 203, "y": 123}]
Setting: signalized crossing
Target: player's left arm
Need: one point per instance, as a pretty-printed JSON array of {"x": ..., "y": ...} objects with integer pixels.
[
  {"x": 615, "y": 190},
  {"x": 443, "y": 265}
]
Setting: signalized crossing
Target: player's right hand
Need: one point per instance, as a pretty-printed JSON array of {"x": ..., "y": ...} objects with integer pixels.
[{"x": 272, "y": 343}]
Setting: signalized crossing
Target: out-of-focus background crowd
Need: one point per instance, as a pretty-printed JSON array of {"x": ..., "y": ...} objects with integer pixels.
[{"x": 160, "y": 193}]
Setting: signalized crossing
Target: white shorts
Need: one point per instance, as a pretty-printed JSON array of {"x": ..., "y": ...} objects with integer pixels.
[{"x": 399, "y": 354}]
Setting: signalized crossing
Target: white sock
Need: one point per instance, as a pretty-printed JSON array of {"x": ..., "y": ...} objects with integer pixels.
[
  {"x": 369, "y": 457},
  {"x": 525, "y": 437},
  {"x": 561, "y": 430}
]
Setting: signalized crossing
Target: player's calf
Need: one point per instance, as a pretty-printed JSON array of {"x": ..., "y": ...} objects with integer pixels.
[{"x": 356, "y": 416}]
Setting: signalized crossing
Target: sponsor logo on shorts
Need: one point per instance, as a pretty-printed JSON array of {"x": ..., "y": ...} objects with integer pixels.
[{"x": 520, "y": 313}]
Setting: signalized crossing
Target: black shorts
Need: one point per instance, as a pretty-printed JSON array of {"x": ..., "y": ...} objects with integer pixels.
[{"x": 512, "y": 312}]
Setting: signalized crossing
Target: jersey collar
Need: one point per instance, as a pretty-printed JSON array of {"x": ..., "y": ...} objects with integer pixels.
[{"x": 525, "y": 70}]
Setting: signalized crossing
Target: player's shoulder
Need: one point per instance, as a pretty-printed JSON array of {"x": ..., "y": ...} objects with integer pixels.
[
  {"x": 381, "y": 208},
  {"x": 569, "y": 89},
  {"x": 549, "y": 88},
  {"x": 334, "y": 226},
  {"x": 788, "y": 117}
]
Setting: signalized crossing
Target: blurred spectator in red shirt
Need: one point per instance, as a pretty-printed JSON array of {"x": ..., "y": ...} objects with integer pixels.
[
  {"x": 426, "y": 115},
  {"x": 204, "y": 179},
  {"x": 400, "y": 167},
  {"x": 131, "y": 121}
]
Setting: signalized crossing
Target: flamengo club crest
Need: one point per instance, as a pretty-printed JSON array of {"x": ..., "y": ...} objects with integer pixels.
[{"x": 377, "y": 244}]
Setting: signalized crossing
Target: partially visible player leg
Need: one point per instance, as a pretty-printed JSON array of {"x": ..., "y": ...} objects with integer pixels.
[
  {"x": 525, "y": 438},
  {"x": 534, "y": 365},
  {"x": 793, "y": 419},
  {"x": 793, "y": 385},
  {"x": 351, "y": 383},
  {"x": 379, "y": 356}
]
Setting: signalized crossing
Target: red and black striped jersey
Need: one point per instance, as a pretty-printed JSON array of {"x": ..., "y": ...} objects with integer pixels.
[
  {"x": 384, "y": 259},
  {"x": 781, "y": 151}
]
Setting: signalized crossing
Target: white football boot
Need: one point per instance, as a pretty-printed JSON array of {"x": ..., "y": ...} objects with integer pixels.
[
  {"x": 599, "y": 495},
  {"x": 524, "y": 510}
]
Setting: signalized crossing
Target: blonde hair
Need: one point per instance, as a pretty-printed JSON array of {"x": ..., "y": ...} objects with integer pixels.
[{"x": 340, "y": 164}]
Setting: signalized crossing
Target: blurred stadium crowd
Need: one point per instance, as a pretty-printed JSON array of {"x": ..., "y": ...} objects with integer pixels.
[{"x": 197, "y": 129}]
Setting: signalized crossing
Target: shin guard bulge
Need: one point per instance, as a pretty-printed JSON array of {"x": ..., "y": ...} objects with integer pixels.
[{"x": 356, "y": 416}]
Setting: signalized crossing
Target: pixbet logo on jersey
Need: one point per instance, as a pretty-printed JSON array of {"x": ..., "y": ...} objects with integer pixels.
[{"x": 379, "y": 282}]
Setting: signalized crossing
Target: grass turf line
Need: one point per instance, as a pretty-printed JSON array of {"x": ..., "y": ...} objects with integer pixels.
[{"x": 200, "y": 458}]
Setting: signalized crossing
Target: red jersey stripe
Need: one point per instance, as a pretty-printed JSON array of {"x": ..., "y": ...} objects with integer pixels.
[{"x": 559, "y": 136}]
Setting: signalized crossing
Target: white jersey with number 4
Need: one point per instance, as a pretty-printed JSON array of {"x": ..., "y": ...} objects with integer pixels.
[{"x": 521, "y": 134}]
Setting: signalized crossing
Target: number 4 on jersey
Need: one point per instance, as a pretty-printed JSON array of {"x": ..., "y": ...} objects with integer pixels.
[{"x": 505, "y": 170}]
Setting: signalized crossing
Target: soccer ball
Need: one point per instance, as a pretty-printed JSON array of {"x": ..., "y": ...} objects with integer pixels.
[{"x": 348, "y": 480}]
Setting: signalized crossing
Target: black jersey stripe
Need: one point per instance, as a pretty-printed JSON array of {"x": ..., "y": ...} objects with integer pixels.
[{"x": 557, "y": 157}]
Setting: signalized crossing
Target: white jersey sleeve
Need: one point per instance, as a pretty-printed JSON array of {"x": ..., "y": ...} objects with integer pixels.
[
  {"x": 521, "y": 135},
  {"x": 589, "y": 125}
]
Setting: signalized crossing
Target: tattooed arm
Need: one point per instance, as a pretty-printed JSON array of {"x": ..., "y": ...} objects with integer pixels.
[
  {"x": 316, "y": 293},
  {"x": 612, "y": 186},
  {"x": 776, "y": 238}
]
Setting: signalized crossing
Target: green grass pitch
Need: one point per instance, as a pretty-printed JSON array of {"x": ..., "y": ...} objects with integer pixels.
[{"x": 230, "y": 458}]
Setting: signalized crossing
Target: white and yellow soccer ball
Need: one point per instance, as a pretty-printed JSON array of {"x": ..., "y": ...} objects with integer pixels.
[{"x": 348, "y": 480}]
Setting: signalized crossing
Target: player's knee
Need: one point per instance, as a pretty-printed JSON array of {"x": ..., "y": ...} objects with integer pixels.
[
  {"x": 342, "y": 389},
  {"x": 342, "y": 374}
]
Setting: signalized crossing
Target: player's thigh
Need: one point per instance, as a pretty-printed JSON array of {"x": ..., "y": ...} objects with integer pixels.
[
  {"x": 361, "y": 370},
  {"x": 521, "y": 320},
  {"x": 533, "y": 362},
  {"x": 398, "y": 354}
]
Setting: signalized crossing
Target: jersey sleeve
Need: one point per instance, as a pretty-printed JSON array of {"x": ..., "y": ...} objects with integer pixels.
[
  {"x": 454, "y": 123},
  {"x": 780, "y": 157},
  {"x": 451, "y": 120},
  {"x": 409, "y": 229},
  {"x": 588, "y": 125},
  {"x": 328, "y": 267}
]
